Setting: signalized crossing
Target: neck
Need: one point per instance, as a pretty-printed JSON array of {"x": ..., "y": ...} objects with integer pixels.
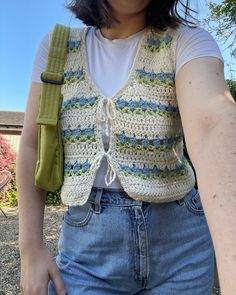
[{"x": 126, "y": 27}]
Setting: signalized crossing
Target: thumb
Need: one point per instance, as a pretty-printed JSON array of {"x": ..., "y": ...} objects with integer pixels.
[{"x": 55, "y": 276}]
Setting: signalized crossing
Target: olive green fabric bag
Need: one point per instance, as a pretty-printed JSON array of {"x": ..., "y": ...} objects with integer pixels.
[{"x": 49, "y": 166}]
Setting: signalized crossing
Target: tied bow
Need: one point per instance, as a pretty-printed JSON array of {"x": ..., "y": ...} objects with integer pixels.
[
  {"x": 111, "y": 173},
  {"x": 109, "y": 106}
]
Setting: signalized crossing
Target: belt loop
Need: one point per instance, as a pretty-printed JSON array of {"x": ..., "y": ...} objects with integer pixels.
[
  {"x": 180, "y": 202},
  {"x": 97, "y": 201}
]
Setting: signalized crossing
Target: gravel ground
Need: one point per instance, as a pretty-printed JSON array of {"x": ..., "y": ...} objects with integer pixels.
[{"x": 9, "y": 253}]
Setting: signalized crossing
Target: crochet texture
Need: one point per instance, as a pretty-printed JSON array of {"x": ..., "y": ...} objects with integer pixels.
[{"x": 142, "y": 120}]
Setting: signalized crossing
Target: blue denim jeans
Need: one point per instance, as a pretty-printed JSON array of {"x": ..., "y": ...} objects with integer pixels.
[{"x": 116, "y": 245}]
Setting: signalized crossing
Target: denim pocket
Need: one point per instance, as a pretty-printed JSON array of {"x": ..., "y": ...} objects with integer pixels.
[
  {"x": 193, "y": 202},
  {"x": 78, "y": 215}
]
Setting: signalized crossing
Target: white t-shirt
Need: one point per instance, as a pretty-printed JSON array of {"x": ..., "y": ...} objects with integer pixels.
[{"x": 110, "y": 62}]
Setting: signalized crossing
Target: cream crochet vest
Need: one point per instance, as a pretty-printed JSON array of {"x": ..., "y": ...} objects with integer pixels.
[{"x": 142, "y": 119}]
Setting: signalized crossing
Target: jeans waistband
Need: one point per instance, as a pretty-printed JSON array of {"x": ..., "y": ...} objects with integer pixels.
[
  {"x": 120, "y": 197},
  {"x": 112, "y": 196}
]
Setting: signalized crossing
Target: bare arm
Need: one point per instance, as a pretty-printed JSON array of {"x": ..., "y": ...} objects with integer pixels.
[
  {"x": 30, "y": 199},
  {"x": 208, "y": 114},
  {"x": 37, "y": 266}
]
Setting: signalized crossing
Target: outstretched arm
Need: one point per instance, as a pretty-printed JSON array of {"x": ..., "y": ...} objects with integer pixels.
[{"x": 208, "y": 114}]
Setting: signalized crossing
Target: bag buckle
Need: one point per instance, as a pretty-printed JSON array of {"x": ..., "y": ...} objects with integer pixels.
[{"x": 52, "y": 78}]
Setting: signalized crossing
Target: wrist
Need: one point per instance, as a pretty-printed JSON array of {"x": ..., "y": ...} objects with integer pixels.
[{"x": 30, "y": 249}]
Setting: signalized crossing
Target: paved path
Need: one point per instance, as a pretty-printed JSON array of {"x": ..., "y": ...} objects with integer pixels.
[{"x": 9, "y": 253}]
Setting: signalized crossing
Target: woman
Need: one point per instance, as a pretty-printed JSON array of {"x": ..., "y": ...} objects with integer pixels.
[{"x": 135, "y": 223}]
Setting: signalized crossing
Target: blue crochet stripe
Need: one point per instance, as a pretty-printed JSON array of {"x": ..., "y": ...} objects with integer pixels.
[
  {"x": 79, "y": 103},
  {"x": 151, "y": 78},
  {"x": 143, "y": 107},
  {"x": 77, "y": 168},
  {"x": 155, "y": 45},
  {"x": 71, "y": 77},
  {"x": 73, "y": 45},
  {"x": 153, "y": 173},
  {"x": 78, "y": 135},
  {"x": 161, "y": 144}
]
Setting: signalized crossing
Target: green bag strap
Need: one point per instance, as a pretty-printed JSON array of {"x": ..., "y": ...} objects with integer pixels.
[{"x": 52, "y": 78}]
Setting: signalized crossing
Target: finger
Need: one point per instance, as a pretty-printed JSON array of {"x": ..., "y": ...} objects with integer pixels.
[{"x": 57, "y": 280}]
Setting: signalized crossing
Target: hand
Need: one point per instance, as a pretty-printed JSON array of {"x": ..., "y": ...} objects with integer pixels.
[{"x": 37, "y": 268}]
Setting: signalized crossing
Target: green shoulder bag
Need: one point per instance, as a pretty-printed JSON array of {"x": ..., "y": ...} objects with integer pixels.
[{"x": 49, "y": 166}]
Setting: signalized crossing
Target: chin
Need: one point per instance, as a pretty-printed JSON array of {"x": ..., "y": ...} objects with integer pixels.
[{"x": 128, "y": 7}]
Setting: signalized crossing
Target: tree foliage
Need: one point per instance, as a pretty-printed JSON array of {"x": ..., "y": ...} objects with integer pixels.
[
  {"x": 221, "y": 21},
  {"x": 232, "y": 87}
]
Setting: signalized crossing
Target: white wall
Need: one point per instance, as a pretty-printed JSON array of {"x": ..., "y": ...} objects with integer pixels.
[{"x": 13, "y": 140}]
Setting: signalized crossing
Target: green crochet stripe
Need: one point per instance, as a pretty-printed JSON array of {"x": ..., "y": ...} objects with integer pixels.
[
  {"x": 72, "y": 173},
  {"x": 182, "y": 172},
  {"x": 79, "y": 107},
  {"x": 155, "y": 82},
  {"x": 74, "y": 139},
  {"x": 148, "y": 112},
  {"x": 155, "y": 49},
  {"x": 73, "y": 80},
  {"x": 150, "y": 148}
]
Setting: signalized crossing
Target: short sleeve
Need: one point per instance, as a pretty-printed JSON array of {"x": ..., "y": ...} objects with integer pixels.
[
  {"x": 40, "y": 61},
  {"x": 193, "y": 43}
]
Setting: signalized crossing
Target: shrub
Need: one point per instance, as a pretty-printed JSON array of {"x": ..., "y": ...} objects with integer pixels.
[
  {"x": 54, "y": 198},
  {"x": 7, "y": 162},
  {"x": 11, "y": 193}
]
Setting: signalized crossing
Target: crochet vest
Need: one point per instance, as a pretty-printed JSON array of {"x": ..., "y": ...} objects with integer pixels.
[{"x": 142, "y": 119}]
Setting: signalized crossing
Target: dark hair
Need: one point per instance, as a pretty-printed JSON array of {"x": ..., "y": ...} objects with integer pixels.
[{"x": 160, "y": 14}]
